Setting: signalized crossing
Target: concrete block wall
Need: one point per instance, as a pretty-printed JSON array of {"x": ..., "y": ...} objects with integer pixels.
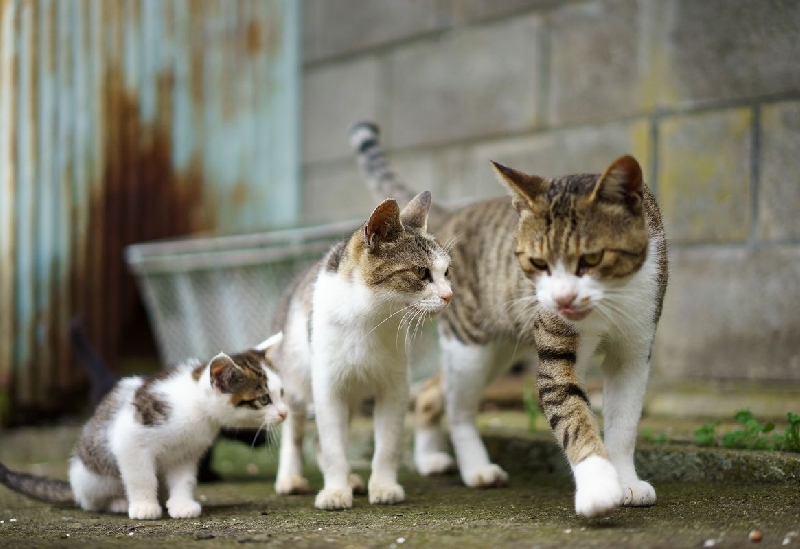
[{"x": 705, "y": 94}]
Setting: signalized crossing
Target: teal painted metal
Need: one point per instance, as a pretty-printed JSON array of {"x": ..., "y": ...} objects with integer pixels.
[{"x": 123, "y": 121}]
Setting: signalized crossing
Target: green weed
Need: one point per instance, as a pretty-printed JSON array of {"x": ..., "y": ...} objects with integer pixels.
[
  {"x": 531, "y": 406},
  {"x": 753, "y": 435}
]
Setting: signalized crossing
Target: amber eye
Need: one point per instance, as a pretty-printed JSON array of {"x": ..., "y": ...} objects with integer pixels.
[
  {"x": 592, "y": 260},
  {"x": 423, "y": 273},
  {"x": 539, "y": 263}
]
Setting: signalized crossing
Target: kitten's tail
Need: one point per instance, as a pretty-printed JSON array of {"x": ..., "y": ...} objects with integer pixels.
[
  {"x": 42, "y": 488},
  {"x": 382, "y": 180}
]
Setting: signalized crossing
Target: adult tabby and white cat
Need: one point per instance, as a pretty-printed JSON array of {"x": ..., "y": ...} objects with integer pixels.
[
  {"x": 565, "y": 266},
  {"x": 342, "y": 319},
  {"x": 160, "y": 426}
]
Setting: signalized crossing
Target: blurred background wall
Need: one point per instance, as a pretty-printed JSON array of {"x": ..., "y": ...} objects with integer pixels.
[
  {"x": 705, "y": 93},
  {"x": 130, "y": 120}
]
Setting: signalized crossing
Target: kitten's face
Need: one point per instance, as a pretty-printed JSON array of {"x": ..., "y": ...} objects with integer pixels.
[
  {"x": 580, "y": 237},
  {"x": 253, "y": 389},
  {"x": 400, "y": 262}
]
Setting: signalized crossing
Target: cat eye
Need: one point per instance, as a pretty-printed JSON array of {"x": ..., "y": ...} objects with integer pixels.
[
  {"x": 423, "y": 273},
  {"x": 539, "y": 263},
  {"x": 592, "y": 260}
]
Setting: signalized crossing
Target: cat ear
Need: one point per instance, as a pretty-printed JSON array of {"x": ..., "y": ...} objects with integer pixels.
[
  {"x": 270, "y": 342},
  {"x": 621, "y": 182},
  {"x": 226, "y": 376},
  {"x": 523, "y": 187},
  {"x": 383, "y": 225},
  {"x": 415, "y": 214}
]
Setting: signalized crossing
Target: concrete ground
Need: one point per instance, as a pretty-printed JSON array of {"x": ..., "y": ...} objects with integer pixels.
[{"x": 534, "y": 511}]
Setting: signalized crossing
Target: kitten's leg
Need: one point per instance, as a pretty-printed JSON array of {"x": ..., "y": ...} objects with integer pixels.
[
  {"x": 95, "y": 492},
  {"x": 289, "y": 479},
  {"x": 332, "y": 413},
  {"x": 389, "y": 416},
  {"x": 561, "y": 352},
  {"x": 181, "y": 480},
  {"x": 467, "y": 371},
  {"x": 138, "y": 472},
  {"x": 624, "y": 382},
  {"x": 430, "y": 448}
]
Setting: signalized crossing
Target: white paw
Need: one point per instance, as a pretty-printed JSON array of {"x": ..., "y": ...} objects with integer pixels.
[
  {"x": 144, "y": 511},
  {"x": 333, "y": 500},
  {"x": 486, "y": 476},
  {"x": 183, "y": 508},
  {"x": 292, "y": 485},
  {"x": 119, "y": 505},
  {"x": 598, "y": 491},
  {"x": 357, "y": 484},
  {"x": 639, "y": 494},
  {"x": 386, "y": 494},
  {"x": 437, "y": 463}
]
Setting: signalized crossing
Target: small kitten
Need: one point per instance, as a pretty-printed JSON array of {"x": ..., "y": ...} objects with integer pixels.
[
  {"x": 159, "y": 427},
  {"x": 342, "y": 320},
  {"x": 563, "y": 267}
]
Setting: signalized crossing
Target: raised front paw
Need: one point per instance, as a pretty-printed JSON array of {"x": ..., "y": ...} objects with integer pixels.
[
  {"x": 598, "y": 491},
  {"x": 639, "y": 494},
  {"x": 437, "y": 463},
  {"x": 292, "y": 485},
  {"x": 143, "y": 510},
  {"x": 334, "y": 499},
  {"x": 386, "y": 494},
  {"x": 183, "y": 508},
  {"x": 357, "y": 484},
  {"x": 486, "y": 476}
]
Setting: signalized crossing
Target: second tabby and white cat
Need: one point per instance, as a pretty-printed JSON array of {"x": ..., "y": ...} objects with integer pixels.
[
  {"x": 562, "y": 267},
  {"x": 342, "y": 319}
]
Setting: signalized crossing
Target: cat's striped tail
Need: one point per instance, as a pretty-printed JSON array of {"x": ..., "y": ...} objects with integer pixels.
[
  {"x": 36, "y": 487},
  {"x": 382, "y": 180}
]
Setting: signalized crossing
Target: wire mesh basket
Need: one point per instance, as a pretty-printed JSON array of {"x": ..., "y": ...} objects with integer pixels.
[{"x": 205, "y": 295}]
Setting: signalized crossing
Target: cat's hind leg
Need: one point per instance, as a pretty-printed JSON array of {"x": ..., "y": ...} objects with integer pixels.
[
  {"x": 430, "y": 447},
  {"x": 468, "y": 369},
  {"x": 95, "y": 492},
  {"x": 624, "y": 381},
  {"x": 181, "y": 479},
  {"x": 290, "y": 479}
]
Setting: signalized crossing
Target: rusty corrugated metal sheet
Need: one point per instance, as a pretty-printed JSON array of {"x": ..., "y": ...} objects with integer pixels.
[{"x": 124, "y": 121}]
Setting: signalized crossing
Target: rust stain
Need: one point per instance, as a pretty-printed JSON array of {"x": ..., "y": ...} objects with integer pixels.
[{"x": 253, "y": 38}]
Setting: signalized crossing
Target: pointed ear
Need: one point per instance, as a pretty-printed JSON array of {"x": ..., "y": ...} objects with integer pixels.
[
  {"x": 415, "y": 214},
  {"x": 383, "y": 225},
  {"x": 523, "y": 187},
  {"x": 270, "y": 342},
  {"x": 225, "y": 374},
  {"x": 621, "y": 182}
]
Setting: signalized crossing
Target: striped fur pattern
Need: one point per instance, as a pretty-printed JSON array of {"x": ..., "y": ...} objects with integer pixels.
[
  {"x": 349, "y": 321},
  {"x": 563, "y": 267},
  {"x": 159, "y": 427}
]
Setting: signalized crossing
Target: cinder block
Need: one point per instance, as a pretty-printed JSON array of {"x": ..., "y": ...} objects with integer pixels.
[
  {"x": 779, "y": 195},
  {"x": 476, "y": 82},
  {"x": 336, "y": 27},
  {"x": 335, "y": 191},
  {"x": 731, "y": 313},
  {"x": 725, "y": 49},
  {"x": 575, "y": 150},
  {"x": 334, "y": 97},
  {"x": 704, "y": 165},
  {"x": 594, "y": 66}
]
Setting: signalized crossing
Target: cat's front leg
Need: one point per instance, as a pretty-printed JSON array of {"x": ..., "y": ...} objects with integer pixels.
[
  {"x": 597, "y": 488},
  {"x": 138, "y": 471},
  {"x": 181, "y": 480},
  {"x": 390, "y": 412},
  {"x": 624, "y": 383},
  {"x": 332, "y": 415},
  {"x": 290, "y": 479}
]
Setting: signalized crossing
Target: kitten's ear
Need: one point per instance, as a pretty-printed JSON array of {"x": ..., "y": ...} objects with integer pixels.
[
  {"x": 383, "y": 225},
  {"x": 621, "y": 182},
  {"x": 226, "y": 376},
  {"x": 523, "y": 187},
  {"x": 269, "y": 343},
  {"x": 415, "y": 214}
]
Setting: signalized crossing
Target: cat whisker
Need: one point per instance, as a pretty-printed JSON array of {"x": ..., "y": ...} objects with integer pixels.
[{"x": 385, "y": 319}]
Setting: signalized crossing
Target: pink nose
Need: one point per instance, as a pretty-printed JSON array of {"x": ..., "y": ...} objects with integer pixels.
[
  {"x": 447, "y": 296},
  {"x": 565, "y": 300},
  {"x": 283, "y": 412}
]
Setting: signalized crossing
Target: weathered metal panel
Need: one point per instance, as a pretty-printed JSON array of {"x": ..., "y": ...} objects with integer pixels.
[{"x": 124, "y": 121}]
